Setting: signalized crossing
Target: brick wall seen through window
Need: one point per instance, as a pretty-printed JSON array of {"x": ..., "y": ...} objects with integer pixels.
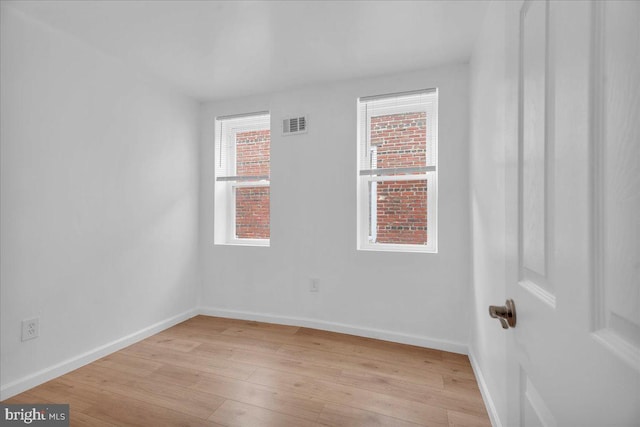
[
  {"x": 401, "y": 206},
  {"x": 252, "y": 203}
]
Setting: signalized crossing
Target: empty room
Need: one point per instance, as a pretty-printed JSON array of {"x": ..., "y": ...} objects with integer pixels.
[{"x": 320, "y": 213}]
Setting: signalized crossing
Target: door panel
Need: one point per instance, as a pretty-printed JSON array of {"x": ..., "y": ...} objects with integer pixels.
[
  {"x": 574, "y": 356},
  {"x": 617, "y": 180},
  {"x": 533, "y": 142},
  {"x": 535, "y": 411},
  {"x": 535, "y": 145}
]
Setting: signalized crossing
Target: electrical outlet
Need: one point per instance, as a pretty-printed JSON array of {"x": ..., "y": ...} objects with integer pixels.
[
  {"x": 313, "y": 285},
  {"x": 30, "y": 328}
]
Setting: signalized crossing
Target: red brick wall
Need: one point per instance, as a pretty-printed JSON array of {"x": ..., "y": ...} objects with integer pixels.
[
  {"x": 252, "y": 213},
  {"x": 252, "y": 152},
  {"x": 252, "y": 203},
  {"x": 401, "y": 205}
]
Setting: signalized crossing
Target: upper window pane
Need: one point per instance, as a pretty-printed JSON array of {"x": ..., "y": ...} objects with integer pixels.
[
  {"x": 400, "y": 140},
  {"x": 252, "y": 152}
]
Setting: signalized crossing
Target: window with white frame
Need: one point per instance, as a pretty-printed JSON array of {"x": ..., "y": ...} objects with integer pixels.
[
  {"x": 242, "y": 185},
  {"x": 397, "y": 172}
]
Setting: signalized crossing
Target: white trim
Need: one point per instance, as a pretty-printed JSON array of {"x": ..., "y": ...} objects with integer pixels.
[
  {"x": 46, "y": 374},
  {"x": 261, "y": 243},
  {"x": 381, "y": 334},
  {"x": 242, "y": 115},
  {"x": 398, "y": 94},
  {"x": 596, "y": 178},
  {"x": 619, "y": 346},
  {"x": 539, "y": 292},
  {"x": 397, "y": 247},
  {"x": 484, "y": 391},
  {"x": 414, "y": 177},
  {"x": 540, "y": 408},
  {"x": 242, "y": 184}
]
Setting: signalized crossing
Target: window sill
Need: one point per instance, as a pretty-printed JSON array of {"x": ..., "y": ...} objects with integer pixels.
[
  {"x": 398, "y": 248},
  {"x": 246, "y": 242}
]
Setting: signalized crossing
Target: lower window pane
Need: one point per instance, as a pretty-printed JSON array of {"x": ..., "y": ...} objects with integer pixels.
[
  {"x": 399, "y": 212},
  {"x": 252, "y": 213}
]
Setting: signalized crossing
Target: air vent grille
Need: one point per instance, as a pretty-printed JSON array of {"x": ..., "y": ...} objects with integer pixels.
[{"x": 294, "y": 125}]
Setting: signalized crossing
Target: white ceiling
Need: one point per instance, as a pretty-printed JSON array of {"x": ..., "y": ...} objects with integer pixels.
[{"x": 222, "y": 49}]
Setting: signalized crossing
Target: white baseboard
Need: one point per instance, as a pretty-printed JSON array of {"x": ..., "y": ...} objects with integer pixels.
[
  {"x": 44, "y": 375},
  {"x": 484, "y": 390},
  {"x": 380, "y": 334}
]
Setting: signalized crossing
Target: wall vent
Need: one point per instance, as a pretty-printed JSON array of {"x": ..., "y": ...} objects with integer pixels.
[{"x": 294, "y": 125}]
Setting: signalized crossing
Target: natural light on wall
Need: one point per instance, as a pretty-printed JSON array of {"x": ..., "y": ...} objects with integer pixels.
[
  {"x": 397, "y": 172},
  {"x": 242, "y": 179}
]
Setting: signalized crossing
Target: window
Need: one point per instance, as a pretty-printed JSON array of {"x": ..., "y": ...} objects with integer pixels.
[
  {"x": 397, "y": 171},
  {"x": 242, "y": 156}
]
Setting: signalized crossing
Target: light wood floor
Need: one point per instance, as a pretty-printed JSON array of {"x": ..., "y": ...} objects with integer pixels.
[{"x": 210, "y": 371}]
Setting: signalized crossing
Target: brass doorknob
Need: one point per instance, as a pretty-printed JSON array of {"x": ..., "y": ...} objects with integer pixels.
[{"x": 505, "y": 313}]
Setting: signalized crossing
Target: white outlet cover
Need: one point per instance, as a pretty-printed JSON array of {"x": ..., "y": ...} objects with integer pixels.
[{"x": 30, "y": 328}]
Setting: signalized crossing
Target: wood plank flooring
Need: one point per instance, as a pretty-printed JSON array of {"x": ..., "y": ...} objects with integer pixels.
[{"x": 211, "y": 371}]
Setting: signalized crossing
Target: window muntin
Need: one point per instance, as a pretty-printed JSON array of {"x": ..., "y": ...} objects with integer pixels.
[
  {"x": 242, "y": 186},
  {"x": 397, "y": 178}
]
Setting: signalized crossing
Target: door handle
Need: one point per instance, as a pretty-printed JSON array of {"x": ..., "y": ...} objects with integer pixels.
[{"x": 505, "y": 313}]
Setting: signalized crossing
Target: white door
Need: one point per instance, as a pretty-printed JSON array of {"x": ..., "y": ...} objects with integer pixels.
[{"x": 574, "y": 207}]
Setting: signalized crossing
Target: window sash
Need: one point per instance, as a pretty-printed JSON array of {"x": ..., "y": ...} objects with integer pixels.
[
  {"x": 227, "y": 128},
  {"x": 243, "y": 178},
  {"x": 227, "y": 190},
  {"x": 250, "y": 184},
  {"x": 396, "y": 171},
  {"x": 423, "y": 101},
  {"x": 231, "y": 212},
  {"x": 415, "y": 177},
  {"x": 365, "y": 224}
]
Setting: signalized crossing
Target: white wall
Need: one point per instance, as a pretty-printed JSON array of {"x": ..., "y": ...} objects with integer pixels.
[
  {"x": 493, "y": 132},
  {"x": 418, "y": 298},
  {"x": 99, "y": 190}
]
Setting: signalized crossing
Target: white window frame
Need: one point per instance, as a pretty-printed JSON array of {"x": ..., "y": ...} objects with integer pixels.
[
  {"x": 225, "y": 185},
  {"x": 431, "y": 175}
]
